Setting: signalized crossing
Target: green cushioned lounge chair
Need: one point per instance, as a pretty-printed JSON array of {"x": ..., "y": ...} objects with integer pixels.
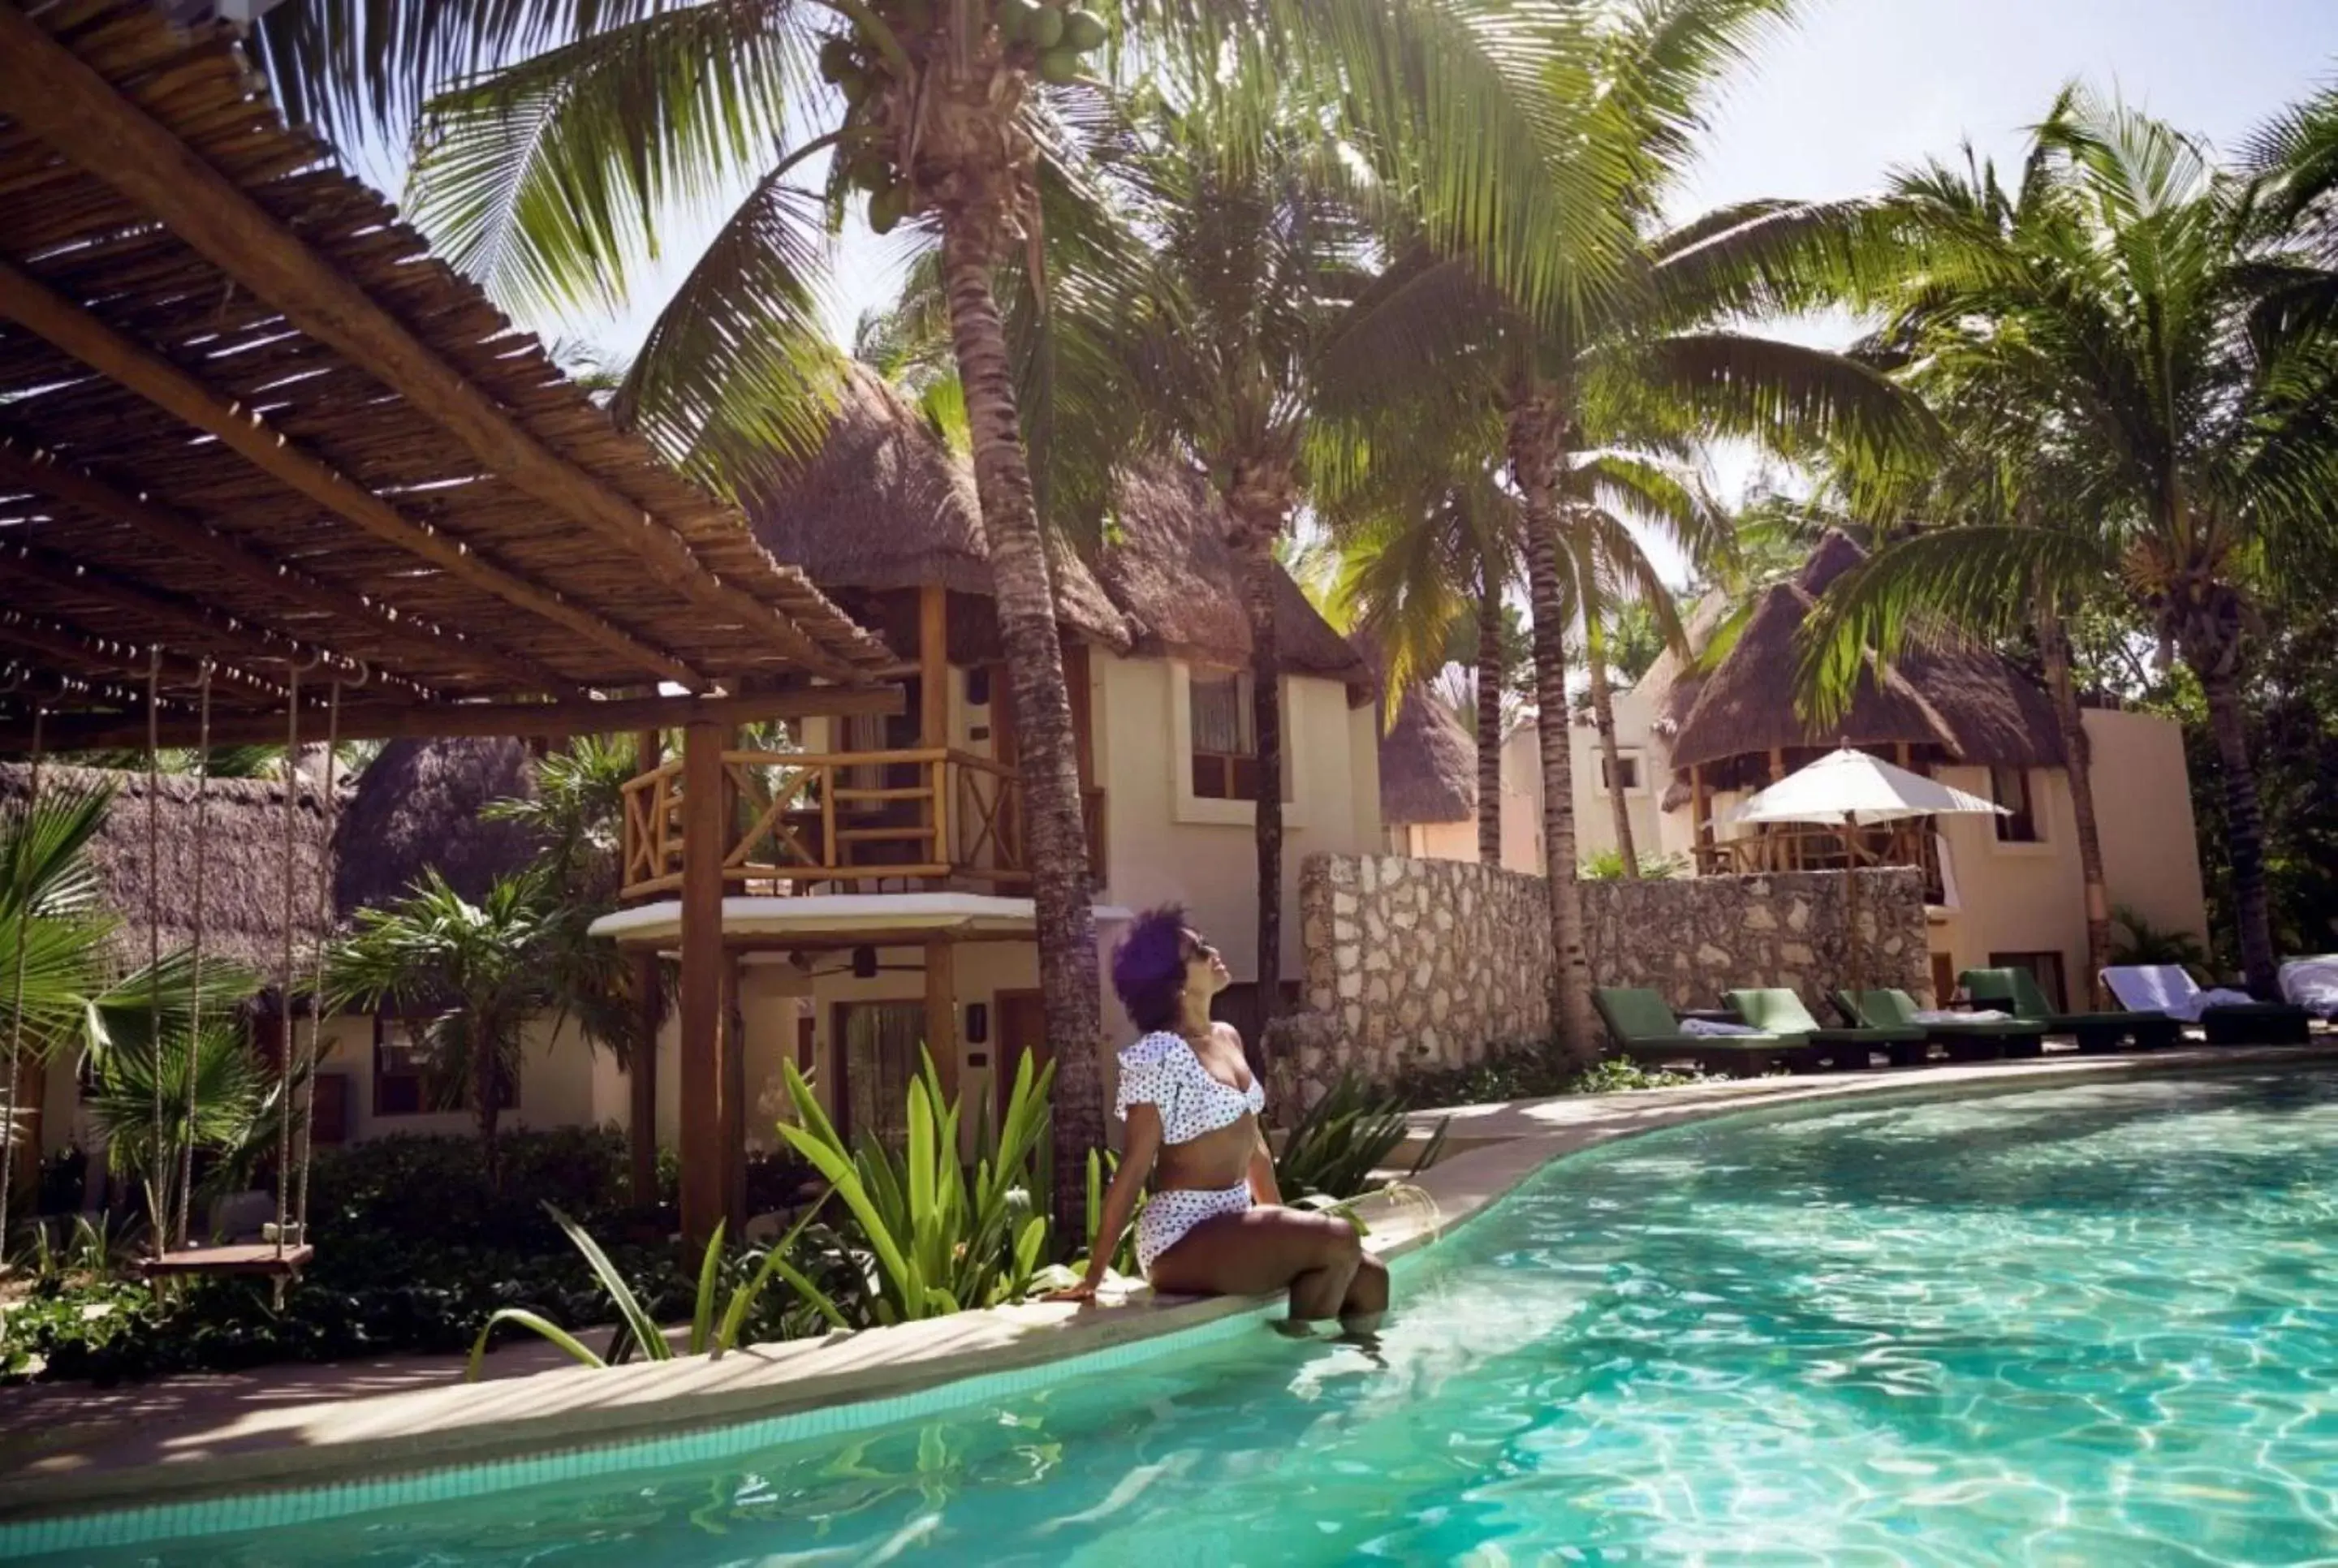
[
  {"x": 2017, "y": 991},
  {"x": 1642, "y": 1026},
  {"x": 1777, "y": 1011},
  {"x": 1981, "y": 1040}
]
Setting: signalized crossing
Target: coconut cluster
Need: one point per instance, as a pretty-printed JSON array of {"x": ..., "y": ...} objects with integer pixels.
[{"x": 1044, "y": 39}]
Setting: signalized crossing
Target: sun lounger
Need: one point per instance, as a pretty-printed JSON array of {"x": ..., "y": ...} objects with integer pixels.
[
  {"x": 2017, "y": 991},
  {"x": 1642, "y": 1026},
  {"x": 1974, "y": 1040},
  {"x": 2225, "y": 1017},
  {"x": 1779, "y": 1012},
  {"x": 2312, "y": 983}
]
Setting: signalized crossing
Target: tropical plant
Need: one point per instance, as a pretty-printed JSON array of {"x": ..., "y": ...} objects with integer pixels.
[
  {"x": 464, "y": 979},
  {"x": 1607, "y": 866},
  {"x": 578, "y": 814},
  {"x": 940, "y": 1242},
  {"x": 150, "y": 1115},
  {"x": 562, "y": 137},
  {"x": 2160, "y": 327},
  {"x": 1632, "y": 352},
  {"x": 638, "y": 1332},
  {"x": 60, "y": 998},
  {"x": 1345, "y": 1136},
  {"x": 2139, "y": 941}
]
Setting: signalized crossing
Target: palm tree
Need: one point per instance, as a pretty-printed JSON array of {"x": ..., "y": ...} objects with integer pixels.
[
  {"x": 1427, "y": 581},
  {"x": 2155, "y": 328},
  {"x": 463, "y": 978},
  {"x": 1208, "y": 343},
  {"x": 1624, "y": 354},
  {"x": 62, "y": 994},
  {"x": 573, "y": 129}
]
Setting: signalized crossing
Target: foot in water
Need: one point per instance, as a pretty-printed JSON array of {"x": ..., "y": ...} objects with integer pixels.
[{"x": 1292, "y": 1327}]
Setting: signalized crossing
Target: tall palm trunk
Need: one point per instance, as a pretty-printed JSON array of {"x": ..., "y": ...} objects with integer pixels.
[
  {"x": 1046, "y": 753},
  {"x": 1535, "y": 438},
  {"x": 1258, "y": 569},
  {"x": 486, "y": 1097},
  {"x": 2055, "y": 644},
  {"x": 2244, "y": 822},
  {"x": 1493, "y": 675},
  {"x": 1603, "y": 708}
]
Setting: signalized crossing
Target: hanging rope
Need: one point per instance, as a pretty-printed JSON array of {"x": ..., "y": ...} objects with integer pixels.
[
  {"x": 158, "y": 1238},
  {"x": 317, "y": 995},
  {"x": 285, "y": 1079},
  {"x": 186, "y": 1201},
  {"x": 22, "y": 868}
]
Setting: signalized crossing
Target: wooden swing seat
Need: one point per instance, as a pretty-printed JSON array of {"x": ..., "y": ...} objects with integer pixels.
[{"x": 254, "y": 1258}]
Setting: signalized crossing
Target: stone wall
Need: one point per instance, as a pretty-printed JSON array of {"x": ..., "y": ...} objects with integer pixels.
[{"x": 1415, "y": 964}]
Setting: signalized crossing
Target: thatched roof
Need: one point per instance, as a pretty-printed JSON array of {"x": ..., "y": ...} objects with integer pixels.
[
  {"x": 240, "y": 852},
  {"x": 417, "y": 806},
  {"x": 1967, "y": 705},
  {"x": 1168, "y": 566},
  {"x": 1429, "y": 765},
  {"x": 885, "y": 503},
  {"x": 253, "y": 416},
  {"x": 1670, "y": 684}
]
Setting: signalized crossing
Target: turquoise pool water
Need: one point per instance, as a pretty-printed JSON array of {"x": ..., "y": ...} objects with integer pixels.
[{"x": 2093, "y": 1325}]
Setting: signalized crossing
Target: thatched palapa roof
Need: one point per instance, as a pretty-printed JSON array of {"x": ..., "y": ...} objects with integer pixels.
[
  {"x": 1169, "y": 567},
  {"x": 1953, "y": 704},
  {"x": 885, "y": 503},
  {"x": 240, "y": 852},
  {"x": 1429, "y": 765},
  {"x": 417, "y": 808}
]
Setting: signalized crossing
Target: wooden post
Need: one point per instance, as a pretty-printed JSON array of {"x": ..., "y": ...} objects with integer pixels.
[
  {"x": 1700, "y": 812},
  {"x": 933, "y": 713},
  {"x": 734, "y": 1101},
  {"x": 941, "y": 1013},
  {"x": 641, "y": 1080},
  {"x": 702, "y": 834}
]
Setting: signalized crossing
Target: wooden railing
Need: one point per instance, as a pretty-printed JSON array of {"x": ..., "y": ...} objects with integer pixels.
[
  {"x": 1816, "y": 848},
  {"x": 847, "y": 822}
]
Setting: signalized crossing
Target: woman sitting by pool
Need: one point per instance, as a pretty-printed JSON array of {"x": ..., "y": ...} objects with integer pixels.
[{"x": 1215, "y": 1225}]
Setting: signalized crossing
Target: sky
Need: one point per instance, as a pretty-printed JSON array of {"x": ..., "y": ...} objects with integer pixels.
[{"x": 1852, "y": 89}]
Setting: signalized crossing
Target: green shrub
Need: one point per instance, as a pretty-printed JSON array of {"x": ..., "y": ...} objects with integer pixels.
[
  {"x": 1344, "y": 1137},
  {"x": 1528, "y": 1075}
]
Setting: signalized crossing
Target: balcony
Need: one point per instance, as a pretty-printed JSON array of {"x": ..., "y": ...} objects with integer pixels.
[
  {"x": 891, "y": 821},
  {"x": 1814, "y": 848}
]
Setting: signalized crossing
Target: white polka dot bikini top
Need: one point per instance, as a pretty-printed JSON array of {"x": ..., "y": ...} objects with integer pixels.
[{"x": 1162, "y": 1070}]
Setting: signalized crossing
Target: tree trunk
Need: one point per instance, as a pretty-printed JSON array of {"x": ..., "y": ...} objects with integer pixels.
[
  {"x": 1603, "y": 716},
  {"x": 486, "y": 1081},
  {"x": 1493, "y": 674},
  {"x": 1046, "y": 753},
  {"x": 2071, "y": 724},
  {"x": 1533, "y": 441},
  {"x": 1258, "y": 570},
  {"x": 643, "y": 978},
  {"x": 2244, "y": 824}
]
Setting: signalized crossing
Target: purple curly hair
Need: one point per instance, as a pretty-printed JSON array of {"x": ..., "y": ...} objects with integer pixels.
[{"x": 1148, "y": 967}]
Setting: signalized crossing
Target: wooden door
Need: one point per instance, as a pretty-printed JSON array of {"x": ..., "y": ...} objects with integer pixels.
[{"x": 1020, "y": 1024}]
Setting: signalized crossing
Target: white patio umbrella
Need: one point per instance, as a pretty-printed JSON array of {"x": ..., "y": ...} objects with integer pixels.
[{"x": 1847, "y": 789}]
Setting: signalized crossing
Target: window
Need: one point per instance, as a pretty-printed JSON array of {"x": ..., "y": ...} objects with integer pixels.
[
  {"x": 2046, "y": 969},
  {"x": 2009, "y": 788},
  {"x": 1627, "y": 763},
  {"x": 1225, "y": 739},
  {"x": 407, "y": 1082}
]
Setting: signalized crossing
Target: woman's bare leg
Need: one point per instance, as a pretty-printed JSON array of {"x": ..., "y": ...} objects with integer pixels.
[
  {"x": 1368, "y": 1297},
  {"x": 1316, "y": 1257}
]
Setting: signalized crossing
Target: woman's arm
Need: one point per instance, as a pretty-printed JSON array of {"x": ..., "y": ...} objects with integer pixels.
[{"x": 1142, "y": 1142}]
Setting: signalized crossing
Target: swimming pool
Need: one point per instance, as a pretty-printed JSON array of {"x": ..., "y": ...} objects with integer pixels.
[{"x": 2082, "y": 1325}]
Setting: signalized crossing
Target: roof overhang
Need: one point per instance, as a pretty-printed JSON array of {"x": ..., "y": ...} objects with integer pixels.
[{"x": 843, "y": 919}]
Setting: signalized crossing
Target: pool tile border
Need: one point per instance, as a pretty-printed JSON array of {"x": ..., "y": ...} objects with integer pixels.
[{"x": 456, "y": 1441}]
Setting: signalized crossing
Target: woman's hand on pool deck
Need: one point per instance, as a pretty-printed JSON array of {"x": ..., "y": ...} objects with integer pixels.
[{"x": 1086, "y": 1290}]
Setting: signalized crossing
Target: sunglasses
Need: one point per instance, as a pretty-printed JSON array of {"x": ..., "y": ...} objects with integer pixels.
[{"x": 1199, "y": 947}]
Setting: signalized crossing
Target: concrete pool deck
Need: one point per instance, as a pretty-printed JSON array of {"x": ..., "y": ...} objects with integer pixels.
[{"x": 73, "y": 1449}]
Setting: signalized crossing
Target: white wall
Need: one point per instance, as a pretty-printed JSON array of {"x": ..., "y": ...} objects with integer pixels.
[{"x": 1164, "y": 846}]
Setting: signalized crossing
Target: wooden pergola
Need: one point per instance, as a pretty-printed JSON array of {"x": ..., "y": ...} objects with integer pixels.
[{"x": 253, "y": 436}]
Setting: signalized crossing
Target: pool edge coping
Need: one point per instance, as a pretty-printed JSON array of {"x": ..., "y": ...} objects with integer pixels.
[{"x": 386, "y": 1438}]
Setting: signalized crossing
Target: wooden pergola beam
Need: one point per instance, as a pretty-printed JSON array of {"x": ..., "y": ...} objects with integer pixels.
[
  {"x": 25, "y": 462},
  {"x": 142, "y": 370},
  {"x": 52, "y": 93},
  {"x": 22, "y": 563},
  {"x": 446, "y": 721}
]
